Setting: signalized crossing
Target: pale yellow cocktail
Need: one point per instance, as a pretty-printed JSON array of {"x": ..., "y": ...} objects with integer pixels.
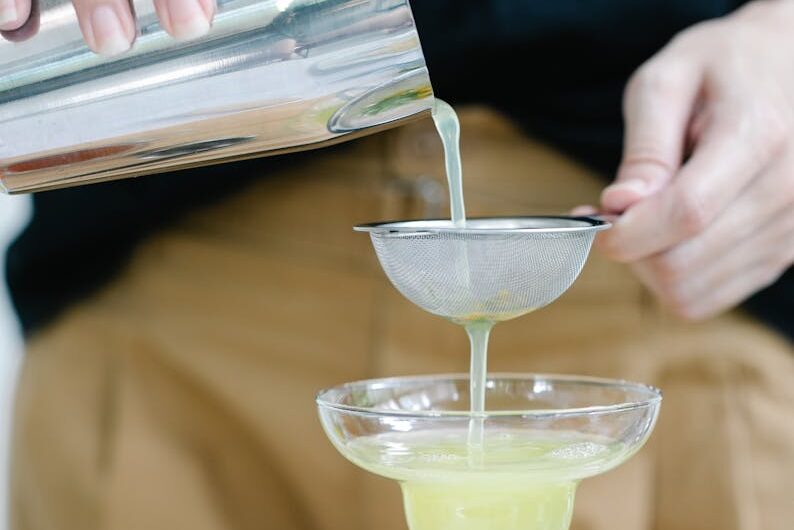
[
  {"x": 542, "y": 437},
  {"x": 518, "y": 481}
]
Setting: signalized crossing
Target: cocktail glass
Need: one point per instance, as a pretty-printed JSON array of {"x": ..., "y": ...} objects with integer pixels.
[{"x": 543, "y": 434}]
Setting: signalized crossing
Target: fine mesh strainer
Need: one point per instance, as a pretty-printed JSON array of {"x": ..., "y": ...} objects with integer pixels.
[{"x": 492, "y": 269}]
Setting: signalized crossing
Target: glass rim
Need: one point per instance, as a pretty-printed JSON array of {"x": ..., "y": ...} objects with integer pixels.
[
  {"x": 573, "y": 224},
  {"x": 654, "y": 397}
]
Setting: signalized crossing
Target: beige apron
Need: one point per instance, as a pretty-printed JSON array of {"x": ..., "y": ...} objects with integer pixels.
[{"x": 182, "y": 395}]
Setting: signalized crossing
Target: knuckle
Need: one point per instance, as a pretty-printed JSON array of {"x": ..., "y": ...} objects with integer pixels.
[
  {"x": 668, "y": 269},
  {"x": 612, "y": 247},
  {"x": 770, "y": 131},
  {"x": 781, "y": 184},
  {"x": 777, "y": 266},
  {"x": 692, "y": 314},
  {"x": 787, "y": 257},
  {"x": 656, "y": 78},
  {"x": 688, "y": 36},
  {"x": 678, "y": 302},
  {"x": 700, "y": 36},
  {"x": 646, "y": 161},
  {"x": 772, "y": 275},
  {"x": 692, "y": 211},
  {"x": 682, "y": 305},
  {"x": 787, "y": 185}
]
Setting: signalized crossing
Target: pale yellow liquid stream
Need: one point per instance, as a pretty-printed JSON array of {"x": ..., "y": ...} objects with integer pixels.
[
  {"x": 448, "y": 127},
  {"x": 474, "y": 482}
]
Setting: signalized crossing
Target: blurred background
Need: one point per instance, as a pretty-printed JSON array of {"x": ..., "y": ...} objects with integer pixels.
[
  {"x": 14, "y": 212},
  {"x": 214, "y": 302}
]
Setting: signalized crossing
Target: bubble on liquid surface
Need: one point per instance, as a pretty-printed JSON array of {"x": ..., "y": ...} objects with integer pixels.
[
  {"x": 578, "y": 451},
  {"x": 439, "y": 458}
]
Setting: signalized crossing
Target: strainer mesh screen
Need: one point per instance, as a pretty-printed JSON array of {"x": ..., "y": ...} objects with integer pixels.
[{"x": 490, "y": 276}]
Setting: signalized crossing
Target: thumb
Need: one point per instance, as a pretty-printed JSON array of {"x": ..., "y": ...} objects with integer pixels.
[{"x": 658, "y": 103}]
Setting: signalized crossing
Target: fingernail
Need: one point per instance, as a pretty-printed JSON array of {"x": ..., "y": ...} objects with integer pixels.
[
  {"x": 109, "y": 37},
  {"x": 188, "y": 19},
  {"x": 8, "y": 12},
  {"x": 639, "y": 187}
]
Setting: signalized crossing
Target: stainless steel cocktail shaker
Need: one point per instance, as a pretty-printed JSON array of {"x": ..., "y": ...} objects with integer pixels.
[{"x": 271, "y": 76}]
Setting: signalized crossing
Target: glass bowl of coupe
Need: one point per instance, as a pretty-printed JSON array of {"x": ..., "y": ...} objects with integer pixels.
[{"x": 514, "y": 466}]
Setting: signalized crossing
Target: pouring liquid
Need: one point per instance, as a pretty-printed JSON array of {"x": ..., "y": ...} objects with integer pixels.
[
  {"x": 467, "y": 477},
  {"x": 478, "y": 332},
  {"x": 448, "y": 127}
]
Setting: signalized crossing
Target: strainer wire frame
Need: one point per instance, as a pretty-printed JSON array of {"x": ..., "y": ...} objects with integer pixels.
[{"x": 414, "y": 227}]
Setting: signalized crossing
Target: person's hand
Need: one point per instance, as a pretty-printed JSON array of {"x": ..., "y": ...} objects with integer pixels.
[
  {"x": 705, "y": 190},
  {"x": 108, "y": 26}
]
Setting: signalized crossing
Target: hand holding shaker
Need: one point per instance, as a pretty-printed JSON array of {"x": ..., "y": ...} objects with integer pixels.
[{"x": 271, "y": 76}]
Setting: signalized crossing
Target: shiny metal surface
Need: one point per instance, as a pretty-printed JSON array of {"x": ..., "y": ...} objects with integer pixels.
[
  {"x": 490, "y": 269},
  {"x": 271, "y": 76},
  {"x": 489, "y": 225}
]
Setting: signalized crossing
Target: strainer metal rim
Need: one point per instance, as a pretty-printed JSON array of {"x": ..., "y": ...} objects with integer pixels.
[{"x": 419, "y": 226}]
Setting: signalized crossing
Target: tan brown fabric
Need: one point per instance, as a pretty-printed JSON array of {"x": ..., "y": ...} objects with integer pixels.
[{"x": 181, "y": 396}]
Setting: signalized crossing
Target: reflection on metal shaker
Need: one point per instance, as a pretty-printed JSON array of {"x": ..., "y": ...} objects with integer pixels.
[{"x": 271, "y": 76}]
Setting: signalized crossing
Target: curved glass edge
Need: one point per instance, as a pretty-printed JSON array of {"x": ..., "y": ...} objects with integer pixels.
[{"x": 654, "y": 397}]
